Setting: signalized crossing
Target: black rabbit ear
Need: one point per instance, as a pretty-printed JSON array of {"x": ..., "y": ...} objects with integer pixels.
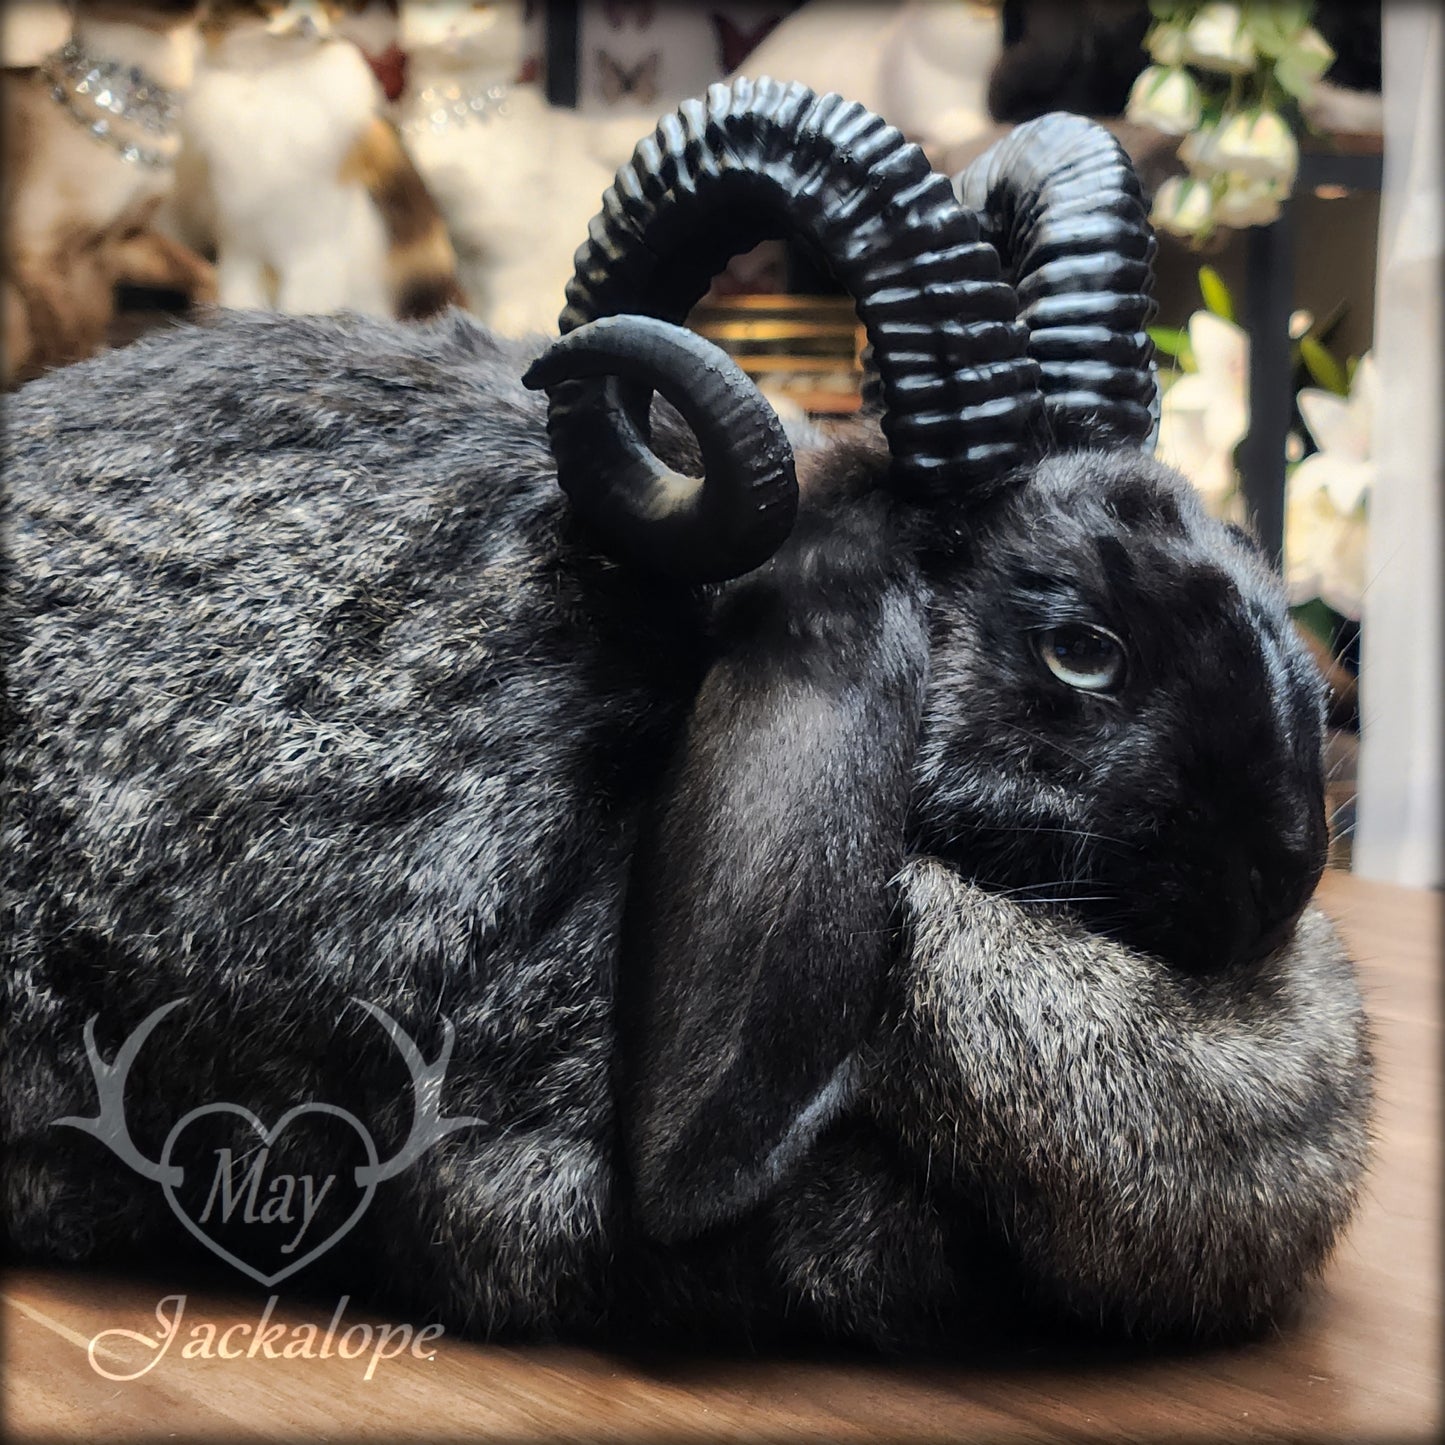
[{"x": 759, "y": 921}]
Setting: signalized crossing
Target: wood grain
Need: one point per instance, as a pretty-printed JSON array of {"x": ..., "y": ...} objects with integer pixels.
[{"x": 1360, "y": 1362}]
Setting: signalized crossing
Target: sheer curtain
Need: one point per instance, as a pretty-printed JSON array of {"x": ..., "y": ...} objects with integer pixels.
[{"x": 1399, "y": 816}]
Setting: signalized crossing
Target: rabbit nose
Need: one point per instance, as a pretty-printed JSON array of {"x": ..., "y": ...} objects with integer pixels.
[{"x": 1279, "y": 890}]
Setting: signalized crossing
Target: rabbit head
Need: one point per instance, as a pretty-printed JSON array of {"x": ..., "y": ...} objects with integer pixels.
[
  {"x": 998, "y": 632},
  {"x": 1121, "y": 717}
]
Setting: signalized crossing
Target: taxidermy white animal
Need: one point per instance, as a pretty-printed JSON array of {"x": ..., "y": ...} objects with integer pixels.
[
  {"x": 90, "y": 147},
  {"x": 315, "y": 204},
  {"x": 925, "y": 64},
  {"x": 516, "y": 178}
]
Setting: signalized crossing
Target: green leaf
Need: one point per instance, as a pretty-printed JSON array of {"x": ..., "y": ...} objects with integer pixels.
[
  {"x": 1319, "y": 618},
  {"x": 1293, "y": 81},
  {"x": 1322, "y": 367},
  {"x": 1163, "y": 9},
  {"x": 1273, "y": 24},
  {"x": 1325, "y": 329},
  {"x": 1216, "y": 294},
  {"x": 1171, "y": 340},
  {"x": 1351, "y": 363},
  {"x": 1302, "y": 62}
]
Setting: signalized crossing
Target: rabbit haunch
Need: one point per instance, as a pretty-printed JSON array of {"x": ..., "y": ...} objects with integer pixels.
[{"x": 319, "y": 689}]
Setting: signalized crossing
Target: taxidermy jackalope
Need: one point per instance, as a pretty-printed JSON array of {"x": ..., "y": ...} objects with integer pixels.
[{"x": 867, "y": 887}]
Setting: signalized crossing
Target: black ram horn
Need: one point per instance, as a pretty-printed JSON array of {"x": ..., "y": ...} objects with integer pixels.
[
  {"x": 1059, "y": 201},
  {"x": 756, "y": 159},
  {"x": 696, "y": 530}
]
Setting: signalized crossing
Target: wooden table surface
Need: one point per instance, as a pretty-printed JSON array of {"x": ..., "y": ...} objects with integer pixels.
[{"x": 1361, "y": 1363}]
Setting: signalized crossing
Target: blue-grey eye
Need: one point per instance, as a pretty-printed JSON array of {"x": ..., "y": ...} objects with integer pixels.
[{"x": 1088, "y": 658}]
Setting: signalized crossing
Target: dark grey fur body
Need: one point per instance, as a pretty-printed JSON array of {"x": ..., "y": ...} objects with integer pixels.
[
  {"x": 456, "y": 706},
  {"x": 316, "y": 692}
]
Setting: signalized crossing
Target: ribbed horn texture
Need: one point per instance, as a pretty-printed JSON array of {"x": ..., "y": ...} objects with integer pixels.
[
  {"x": 757, "y": 158},
  {"x": 697, "y": 530},
  {"x": 1059, "y": 200}
]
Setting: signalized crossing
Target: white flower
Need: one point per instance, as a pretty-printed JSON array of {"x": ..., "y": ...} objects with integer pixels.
[
  {"x": 1199, "y": 151},
  {"x": 1246, "y": 201},
  {"x": 1168, "y": 100},
  {"x": 1324, "y": 552},
  {"x": 1165, "y": 43},
  {"x": 1217, "y": 40},
  {"x": 1343, "y": 430},
  {"x": 1183, "y": 446},
  {"x": 1259, "y": 144},
  {"x": 1182, "y": 206},
  {"x": 1326, "y": 497},
  {"x": 1205, "y": 414}
]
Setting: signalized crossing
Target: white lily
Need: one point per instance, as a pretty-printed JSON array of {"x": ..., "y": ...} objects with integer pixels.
[
  {"x": 1327, "y": 495},
  {"x": 1167, "y": 99},
  {"x": 1204, "y": 415},
  {"x": 1218, "y": 40},
  {"x": 1184, "y": 446}
]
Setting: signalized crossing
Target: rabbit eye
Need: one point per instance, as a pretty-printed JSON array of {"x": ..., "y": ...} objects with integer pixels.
[{"x": 1088, "y": 658}]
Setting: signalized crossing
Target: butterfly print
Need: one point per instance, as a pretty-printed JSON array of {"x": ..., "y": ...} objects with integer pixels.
[
  {"x": 637, "y": 82},
  {"x": 734, "y": 44}
]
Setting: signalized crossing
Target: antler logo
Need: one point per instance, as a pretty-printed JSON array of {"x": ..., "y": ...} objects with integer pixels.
[{"x": 244, "y": 1189}]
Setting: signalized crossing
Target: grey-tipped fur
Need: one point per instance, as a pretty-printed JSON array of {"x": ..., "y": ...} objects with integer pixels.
[{"x": 317, "y": 691}]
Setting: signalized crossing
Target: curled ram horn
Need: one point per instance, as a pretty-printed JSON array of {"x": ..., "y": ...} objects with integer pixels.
[
  {"x": 754, "y": 159},
  {"x": 697, "y": 529},
  {"x": 1059, "y": 200}
]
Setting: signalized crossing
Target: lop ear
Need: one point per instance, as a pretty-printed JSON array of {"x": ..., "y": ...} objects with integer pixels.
[{"x": 759, "y": 917}]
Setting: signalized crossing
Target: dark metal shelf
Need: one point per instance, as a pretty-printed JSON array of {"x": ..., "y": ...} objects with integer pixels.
[{"x": 1269, "y": 301}]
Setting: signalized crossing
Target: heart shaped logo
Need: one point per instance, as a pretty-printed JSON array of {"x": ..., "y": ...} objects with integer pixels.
[
  {"x": 246, "y": 1196},
  {"x": 250, "y": 1194}
]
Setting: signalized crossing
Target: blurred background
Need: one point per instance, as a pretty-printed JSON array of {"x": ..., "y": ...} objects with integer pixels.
[{"x": 400, "y": 158}]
